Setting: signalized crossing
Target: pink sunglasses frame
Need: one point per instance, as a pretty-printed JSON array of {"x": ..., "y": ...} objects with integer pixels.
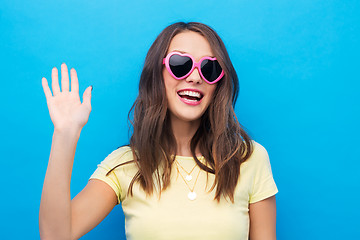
[{"x": 195, "y": 65}]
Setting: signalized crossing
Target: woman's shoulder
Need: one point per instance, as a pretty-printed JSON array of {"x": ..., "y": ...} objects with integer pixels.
[
  {"x": 258, "y": 149},
  {"x": 259, "y": 155},
  {"x": 120, "y": 155}
]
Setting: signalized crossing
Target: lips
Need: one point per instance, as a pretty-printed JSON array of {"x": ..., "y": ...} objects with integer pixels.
[{"x": 190, "y": 96}]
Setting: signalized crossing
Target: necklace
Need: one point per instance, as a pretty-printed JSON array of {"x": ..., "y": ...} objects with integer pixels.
[
  {"x": 191, "y": 195},
  {"x": 188, "y": 174}
]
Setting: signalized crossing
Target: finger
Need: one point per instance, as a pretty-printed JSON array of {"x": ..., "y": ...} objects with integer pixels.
[
  {"x": 64, "y": 78},
  {"x": 55, "y": 81},
  {"x": 74, "y": 81},
  {"x": 87, "y": 97},
  {"x": 46, "y": 88}
]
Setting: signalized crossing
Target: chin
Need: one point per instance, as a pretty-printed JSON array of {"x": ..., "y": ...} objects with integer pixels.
[{"x": 188, "y": 117}]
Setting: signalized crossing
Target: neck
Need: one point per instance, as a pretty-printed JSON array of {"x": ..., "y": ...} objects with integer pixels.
[{"x": 183, "y": 132}]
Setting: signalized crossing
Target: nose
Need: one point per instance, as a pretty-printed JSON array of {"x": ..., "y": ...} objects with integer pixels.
[{"x": 194, "y": 77}]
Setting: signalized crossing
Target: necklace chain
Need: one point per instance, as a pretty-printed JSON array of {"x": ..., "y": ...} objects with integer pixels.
[
  {"x": 188, "y": 173},
  {"x": 192, "y": 194}
]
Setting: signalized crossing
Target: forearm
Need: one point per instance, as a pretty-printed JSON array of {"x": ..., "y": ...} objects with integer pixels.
[{"x": 55, "y": 206}]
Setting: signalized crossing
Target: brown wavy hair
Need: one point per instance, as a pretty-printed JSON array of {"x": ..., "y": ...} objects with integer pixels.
[{"x": 222, "y": 141}]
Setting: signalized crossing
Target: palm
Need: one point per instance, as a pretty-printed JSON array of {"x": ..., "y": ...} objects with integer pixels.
[{"x": 65, "y": 107}]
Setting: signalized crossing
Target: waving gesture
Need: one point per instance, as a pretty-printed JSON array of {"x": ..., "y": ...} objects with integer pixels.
[{"x": 65, "y": 108}]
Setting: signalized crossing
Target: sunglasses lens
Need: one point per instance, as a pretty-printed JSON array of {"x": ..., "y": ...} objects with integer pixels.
[
  {"x": 180, "y": 65},
  {"x": 210, "y": 69}
]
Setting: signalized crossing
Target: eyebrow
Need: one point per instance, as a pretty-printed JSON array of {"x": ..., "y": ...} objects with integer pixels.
[{"x": 175, "y": 50}]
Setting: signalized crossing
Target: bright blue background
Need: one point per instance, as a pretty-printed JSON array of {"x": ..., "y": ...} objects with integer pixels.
[{"x": 298, "y": 63}]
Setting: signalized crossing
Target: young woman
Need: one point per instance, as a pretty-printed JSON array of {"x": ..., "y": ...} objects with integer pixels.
[{"x": 190, "y": 170}]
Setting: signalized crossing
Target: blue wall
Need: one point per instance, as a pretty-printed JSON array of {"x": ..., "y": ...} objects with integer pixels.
[{"x": 298, "y": 63}]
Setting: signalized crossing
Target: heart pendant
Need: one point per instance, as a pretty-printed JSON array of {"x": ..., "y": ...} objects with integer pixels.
[
  {"x": 192, "y": 196},
  {"x": 188, "y": 177}
]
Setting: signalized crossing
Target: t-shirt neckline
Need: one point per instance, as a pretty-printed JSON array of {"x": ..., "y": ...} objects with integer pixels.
[{"x": 177, "y": 157}]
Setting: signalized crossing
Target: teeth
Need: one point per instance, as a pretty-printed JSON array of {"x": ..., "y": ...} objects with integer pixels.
[
  {"x": 190, "y": 93},
  {"x": 190, "y": 100}
]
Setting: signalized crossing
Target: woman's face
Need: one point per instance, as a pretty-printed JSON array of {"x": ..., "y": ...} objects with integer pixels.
[{"x": 180, "y": 93}]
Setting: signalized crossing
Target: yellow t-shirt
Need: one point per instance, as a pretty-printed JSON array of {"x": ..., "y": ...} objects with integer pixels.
[{"x": 174, "y": 216}]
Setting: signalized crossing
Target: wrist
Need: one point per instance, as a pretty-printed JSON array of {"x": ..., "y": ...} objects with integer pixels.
[{"x": 68, "y": 131}]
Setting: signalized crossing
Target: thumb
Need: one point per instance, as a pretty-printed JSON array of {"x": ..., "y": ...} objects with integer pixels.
[{"x": 87, "y": 97}]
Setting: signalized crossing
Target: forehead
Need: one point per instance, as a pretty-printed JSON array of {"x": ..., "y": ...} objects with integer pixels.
[{"x": 192, "y": 43}]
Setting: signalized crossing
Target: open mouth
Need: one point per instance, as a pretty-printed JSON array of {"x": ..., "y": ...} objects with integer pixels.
[{"x": 191, "y": 96}]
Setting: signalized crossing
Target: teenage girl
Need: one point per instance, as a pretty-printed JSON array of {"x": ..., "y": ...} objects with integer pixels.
[{"x": 189, "y": 172}]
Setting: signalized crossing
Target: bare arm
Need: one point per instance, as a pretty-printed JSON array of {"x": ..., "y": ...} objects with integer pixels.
[
  {"x": 55, "y": 208},
  {"x": 59, "y": 217},
  {"x": 91, "y": 206},
  {"x": 263, "y": 219}
]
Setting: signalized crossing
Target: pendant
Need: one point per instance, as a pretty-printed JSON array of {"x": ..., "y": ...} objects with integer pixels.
[
  {"x": 188, "y": 177},
  {"x": 192, "y": 196}
]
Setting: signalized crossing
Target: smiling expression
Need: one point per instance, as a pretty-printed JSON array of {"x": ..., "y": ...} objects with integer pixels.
[{"x": 188, "y": 98}]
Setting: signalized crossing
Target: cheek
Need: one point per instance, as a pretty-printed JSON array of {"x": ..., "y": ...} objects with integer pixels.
[
  {"x": 170, "y": 84},
  {"x": 169, "y": 80},
  {"x": 166, "y": 81},
  {"x": 211, "y": 91}
]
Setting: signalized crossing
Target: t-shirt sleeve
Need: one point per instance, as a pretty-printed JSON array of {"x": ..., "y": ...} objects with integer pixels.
[
  {"x": 263, "y": 182},
  {"x": 112, "y": 160}
]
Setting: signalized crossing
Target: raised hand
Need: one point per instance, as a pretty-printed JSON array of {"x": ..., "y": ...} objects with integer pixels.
[{"x": 65, "y": 108}]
